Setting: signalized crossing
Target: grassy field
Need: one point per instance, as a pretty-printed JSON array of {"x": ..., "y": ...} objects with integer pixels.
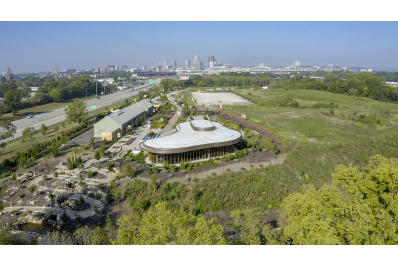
[
  {"x": 188, "y": 99},
  {"x": 21, "y": 145},
  {"x": 315, "y": 139}
]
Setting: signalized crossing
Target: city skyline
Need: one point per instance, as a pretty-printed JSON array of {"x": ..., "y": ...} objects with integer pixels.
[{"x": 41, "y": 46}]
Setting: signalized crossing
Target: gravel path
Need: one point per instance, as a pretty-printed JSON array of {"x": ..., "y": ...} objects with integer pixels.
[
  {"x": 95, "y": 206},
  {"x": 233, "y": 167}
]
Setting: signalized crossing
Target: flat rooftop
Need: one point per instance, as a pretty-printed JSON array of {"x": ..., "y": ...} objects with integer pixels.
[
  {"x": 217, "y": 98},
  {"x": 193, "y": 135}
]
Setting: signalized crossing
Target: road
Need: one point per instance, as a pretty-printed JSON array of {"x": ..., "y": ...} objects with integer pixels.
[{"x": 58, "y": 115}]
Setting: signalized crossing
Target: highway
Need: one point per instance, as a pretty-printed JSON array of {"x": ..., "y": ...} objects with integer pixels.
[{"x": 58, "y": 115}]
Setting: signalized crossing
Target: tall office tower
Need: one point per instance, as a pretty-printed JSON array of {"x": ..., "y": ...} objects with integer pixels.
[
  {"x": 196, "y": 62},
  {"x": 212, "y": 62},
  {"x": 55, "y": 72},
  {"x": 175, "y": 64},
  {"x": 187, "y": 63},
  {"x": 9, "y": 75}
]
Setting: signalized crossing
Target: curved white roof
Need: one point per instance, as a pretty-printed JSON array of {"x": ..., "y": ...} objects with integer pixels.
[{"x": 193, "y": 135}]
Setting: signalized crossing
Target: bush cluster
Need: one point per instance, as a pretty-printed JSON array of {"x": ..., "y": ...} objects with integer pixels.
[{"x": 37, "y": 150}]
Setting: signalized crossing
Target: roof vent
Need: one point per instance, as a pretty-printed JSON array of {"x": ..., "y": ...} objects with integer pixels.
[{"x": 202, "y": 125}]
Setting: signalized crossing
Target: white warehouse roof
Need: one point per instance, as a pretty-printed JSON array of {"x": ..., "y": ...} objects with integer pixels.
[
  {"x": 125, "y": 115},
  {"x": 121, "y": 118}
]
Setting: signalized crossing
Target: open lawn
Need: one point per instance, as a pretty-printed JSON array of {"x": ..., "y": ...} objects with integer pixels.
[
  {"x": 316, "y": 139},
  {"x": 188, "y": 100},
  {"x": 21, "y": 145}
]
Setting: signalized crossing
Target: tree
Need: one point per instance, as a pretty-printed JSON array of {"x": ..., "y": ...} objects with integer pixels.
[
  {"x": 249, "y": 225},
  {"x": 2, "y": 147},
  {"x": 12, "y": 99},
  {"x": 87, "y": 236},
  {"x": 76, "y": 111},
  {"x": 162, "y": 225},
  {"x": 115, "y": 193},
  {"x": 43, "y": 129},
  {"x": 129, "y": 170},
  {"x": 57, "y": 94},
  {"x": 359, "y": 207},
  {"x": 11, "y": 129},
  {"x": 27, "y": 133}
]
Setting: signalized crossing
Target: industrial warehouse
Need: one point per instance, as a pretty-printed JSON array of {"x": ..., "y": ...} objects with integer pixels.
[
  {"x": 108, "y": 127},
  {"x": 194, "y": 140}
]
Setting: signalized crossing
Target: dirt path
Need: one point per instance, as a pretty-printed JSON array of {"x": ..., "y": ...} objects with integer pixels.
[
  {"x": 237, "y": 166},
  {"x": 234, "y": 166}
]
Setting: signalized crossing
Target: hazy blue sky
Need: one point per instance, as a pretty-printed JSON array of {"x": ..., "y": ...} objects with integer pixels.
[{"x": 39, "y": 46}]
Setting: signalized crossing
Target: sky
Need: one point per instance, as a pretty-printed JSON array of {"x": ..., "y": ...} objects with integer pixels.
[{"x": 40, "y": 46}]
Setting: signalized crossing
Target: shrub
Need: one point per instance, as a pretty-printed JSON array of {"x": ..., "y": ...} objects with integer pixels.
[
  {"x": 109, "y": 165},
  {"x": 284, "y": 102},
  {"x": 91, "y": 174},
  {"x": 267, "y": 144},
  {"x": 129, "y": 170},
  {"x": 32, "y": 188}
]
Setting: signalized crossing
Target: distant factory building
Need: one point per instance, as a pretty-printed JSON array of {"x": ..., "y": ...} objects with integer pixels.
[
  {"x": 192, "y": 141},
  {"x": 393, "y": 84},
  {"x": 108, "y": 127}
]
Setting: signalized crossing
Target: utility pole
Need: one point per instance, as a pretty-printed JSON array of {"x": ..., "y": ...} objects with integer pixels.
[{"x": 96, "y": 88}]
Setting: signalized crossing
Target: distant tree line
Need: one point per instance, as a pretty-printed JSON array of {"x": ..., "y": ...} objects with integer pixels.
[
  {"x": 16, "y": 94},
  {"x": 388, "y": 76},
  {"x": 222, "y": 80},
  {"x": 362, "y": 84}
]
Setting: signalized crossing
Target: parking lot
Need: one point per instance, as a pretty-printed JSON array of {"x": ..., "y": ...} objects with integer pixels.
[{"x": 217, "y": 98}]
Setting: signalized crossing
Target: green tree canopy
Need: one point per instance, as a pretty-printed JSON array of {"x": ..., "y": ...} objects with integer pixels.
[
  {"x": 161, "y": 225},
  {"x": 359, "y": 207},
  {"x": 27, "y": 133},
  {"x": 76, "y": 111},
  {"x": 12, "y": 99}
]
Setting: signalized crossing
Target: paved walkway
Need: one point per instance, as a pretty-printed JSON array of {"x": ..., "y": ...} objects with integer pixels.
[{"x": 168, "y": 129}]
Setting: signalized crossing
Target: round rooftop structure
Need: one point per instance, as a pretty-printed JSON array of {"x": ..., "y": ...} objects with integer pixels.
[
  {"x": 193, "y": 135},
  {"x": 202, "y": 125}
]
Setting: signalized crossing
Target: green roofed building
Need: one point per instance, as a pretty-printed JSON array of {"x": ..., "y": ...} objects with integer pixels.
[{"x": 108, "y": 127}]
